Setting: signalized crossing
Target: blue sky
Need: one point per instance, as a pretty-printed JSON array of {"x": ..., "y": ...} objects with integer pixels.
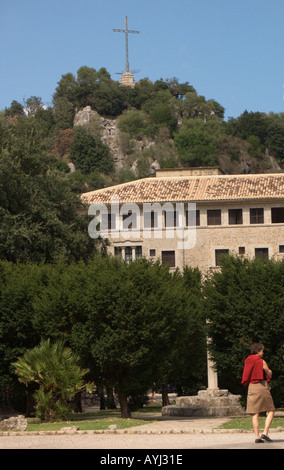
[{"x": 228, "y": 50}]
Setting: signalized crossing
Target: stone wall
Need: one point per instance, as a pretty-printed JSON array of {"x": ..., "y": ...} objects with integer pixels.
[{"x": 210, "y": 238}]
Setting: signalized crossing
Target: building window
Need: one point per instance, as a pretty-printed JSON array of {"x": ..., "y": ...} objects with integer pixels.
[
  {"x": 235, "y": 216},
  {"x": 214, "y": 217},
  {"x": 261, "y": 253},
  {"x": 117, "y": 251},
  {"x": 281, "y": 248},
  {"x": 138, "y": 252},
  {"x": 150, "y": 219},
  {"x": 168, "y": 257},
  {"x": 219, "y": 254},
  {"x": 108, "y": 222},
  {"x": 257, "y": 216},
  {"x": 129, "y": 220},
  {"x": 189, "y": 218},
  {"x": 242, "y": 250},
  {"x": 128, "y": 254},
  {"x": 171, "y": 219},
  {"x": 277, "y": 215},
  {"x": 152, "y": 252}
]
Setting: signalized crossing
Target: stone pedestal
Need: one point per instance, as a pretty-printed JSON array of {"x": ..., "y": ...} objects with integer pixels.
[
  {"x": 127, "y": 79},
  {"x": 206, "y": 403}
]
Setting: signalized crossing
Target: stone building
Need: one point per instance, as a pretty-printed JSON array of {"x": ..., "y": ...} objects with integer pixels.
[{"x": 192, "y": 216}]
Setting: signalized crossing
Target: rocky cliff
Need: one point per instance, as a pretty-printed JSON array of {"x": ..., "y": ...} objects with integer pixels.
[{"x": 234, "y": 155}]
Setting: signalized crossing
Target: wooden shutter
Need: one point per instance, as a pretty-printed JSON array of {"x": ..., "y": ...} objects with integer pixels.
[{"x": 168, "y": 257}]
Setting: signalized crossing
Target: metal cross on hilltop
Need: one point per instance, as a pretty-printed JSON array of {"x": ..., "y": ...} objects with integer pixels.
[{"x": 126, "y": 31}]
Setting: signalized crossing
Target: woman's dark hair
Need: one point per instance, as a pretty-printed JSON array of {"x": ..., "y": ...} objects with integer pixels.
[{"x": 256, "y": 347}]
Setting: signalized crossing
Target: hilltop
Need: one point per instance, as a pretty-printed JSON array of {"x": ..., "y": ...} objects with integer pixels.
[{"x": 101, "y": 133}]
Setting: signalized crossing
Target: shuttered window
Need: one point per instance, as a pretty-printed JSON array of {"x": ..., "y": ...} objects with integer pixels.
[
  {"x": 277, "y": 215},
  {"x": 219, "y": 254},
  {"x": 192, "y": 218},
  {"x": 235, "y": 216},
  {"x": 128, "y": 254},
  {"x": 117, "y": 251},
  {"x": 108, "y": 222},
  {"x": 150, "y": 219},
  {"x": 257, "y": 216},
  {"x": 168, "y": 257},
  {"x": 261, "y": 253},
  {"x": 214, "y": 217},
  {"x": 171, "y": 219},
  {"x": 129, "y": 220},
  {"x": 138, "y": 252}
]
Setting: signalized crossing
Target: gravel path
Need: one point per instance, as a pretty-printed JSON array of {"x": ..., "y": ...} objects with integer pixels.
[
  {"x": 141, "y": 441},
  {"x": 165, "y": 433}
]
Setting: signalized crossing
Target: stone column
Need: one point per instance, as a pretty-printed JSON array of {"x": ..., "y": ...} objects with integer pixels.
[
  {"x": 211, "y": 374},
  {"x": 211, "y": 371},
  {"x": 133, "y": 253}
]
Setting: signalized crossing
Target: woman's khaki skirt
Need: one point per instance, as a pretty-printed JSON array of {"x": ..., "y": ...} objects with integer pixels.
[{"x": 259, "y": 398}]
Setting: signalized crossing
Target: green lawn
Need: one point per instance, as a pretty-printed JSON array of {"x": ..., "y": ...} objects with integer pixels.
[
  {"x": 98, "y": 420},
  {"x": 94, "y": 424},
  {"x": 245, "y": 423}
]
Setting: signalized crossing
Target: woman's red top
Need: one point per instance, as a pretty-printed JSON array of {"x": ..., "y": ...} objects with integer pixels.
[{"x": 253, "y": 370}]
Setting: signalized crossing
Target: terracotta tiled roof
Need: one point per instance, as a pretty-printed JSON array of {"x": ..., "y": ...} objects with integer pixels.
[{"x": 193, "y": 189}]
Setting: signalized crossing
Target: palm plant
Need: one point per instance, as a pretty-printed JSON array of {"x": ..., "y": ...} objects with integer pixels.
[{"x": 55, "y": 368}]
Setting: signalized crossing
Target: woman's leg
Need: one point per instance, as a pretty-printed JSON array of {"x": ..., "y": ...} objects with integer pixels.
[
  {"x": 268, "y": 421},
  {"x": 255, "y": 425}
]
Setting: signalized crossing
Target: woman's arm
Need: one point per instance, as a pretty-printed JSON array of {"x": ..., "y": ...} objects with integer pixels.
[{"x": 267, "y": 370}]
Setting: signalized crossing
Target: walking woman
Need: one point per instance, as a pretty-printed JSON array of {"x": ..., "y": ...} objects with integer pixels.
[{"x": 257, "y": 375}]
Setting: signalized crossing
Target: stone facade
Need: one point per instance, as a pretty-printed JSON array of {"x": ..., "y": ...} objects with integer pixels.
[
  {"x": 242, "y": 221},
  {"x": 245, "y": 239}
]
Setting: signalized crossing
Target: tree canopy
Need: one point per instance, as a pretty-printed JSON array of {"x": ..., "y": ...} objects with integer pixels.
[
  {"x": 121, "y": 318},
  {"x": 244, "y": 304},
  {"x": 39, "y": 212},
  {"x": 149, "y": 114},
  {"x": 131, "y": 325}
]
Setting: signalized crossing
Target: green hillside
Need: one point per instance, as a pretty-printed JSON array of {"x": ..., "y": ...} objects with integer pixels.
[{"x": 159, "y": 124}]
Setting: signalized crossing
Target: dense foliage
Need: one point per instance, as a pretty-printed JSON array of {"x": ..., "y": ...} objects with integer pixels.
[
  {"x": 135, "y": 324},
  {"x": 39, "y": 211},
  {"x": 184, "y": 129},
  {"x": 56, "y": 371},
  {"x": 89, "y": 153},
  {"x": 244, "y": 304},
  {"x": 131, "y": 325}
]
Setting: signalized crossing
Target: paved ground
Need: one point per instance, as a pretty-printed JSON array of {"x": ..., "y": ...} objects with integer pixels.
[
  {"x": 140, "y": 441},
  {"x": 167, "y": 433}
]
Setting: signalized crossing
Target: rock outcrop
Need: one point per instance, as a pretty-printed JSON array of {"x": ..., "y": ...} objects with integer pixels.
[
  {"x": 15, "y": 423},
  {"x": 108, "y": 130},
  {"x": 233, "y": 156}
]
